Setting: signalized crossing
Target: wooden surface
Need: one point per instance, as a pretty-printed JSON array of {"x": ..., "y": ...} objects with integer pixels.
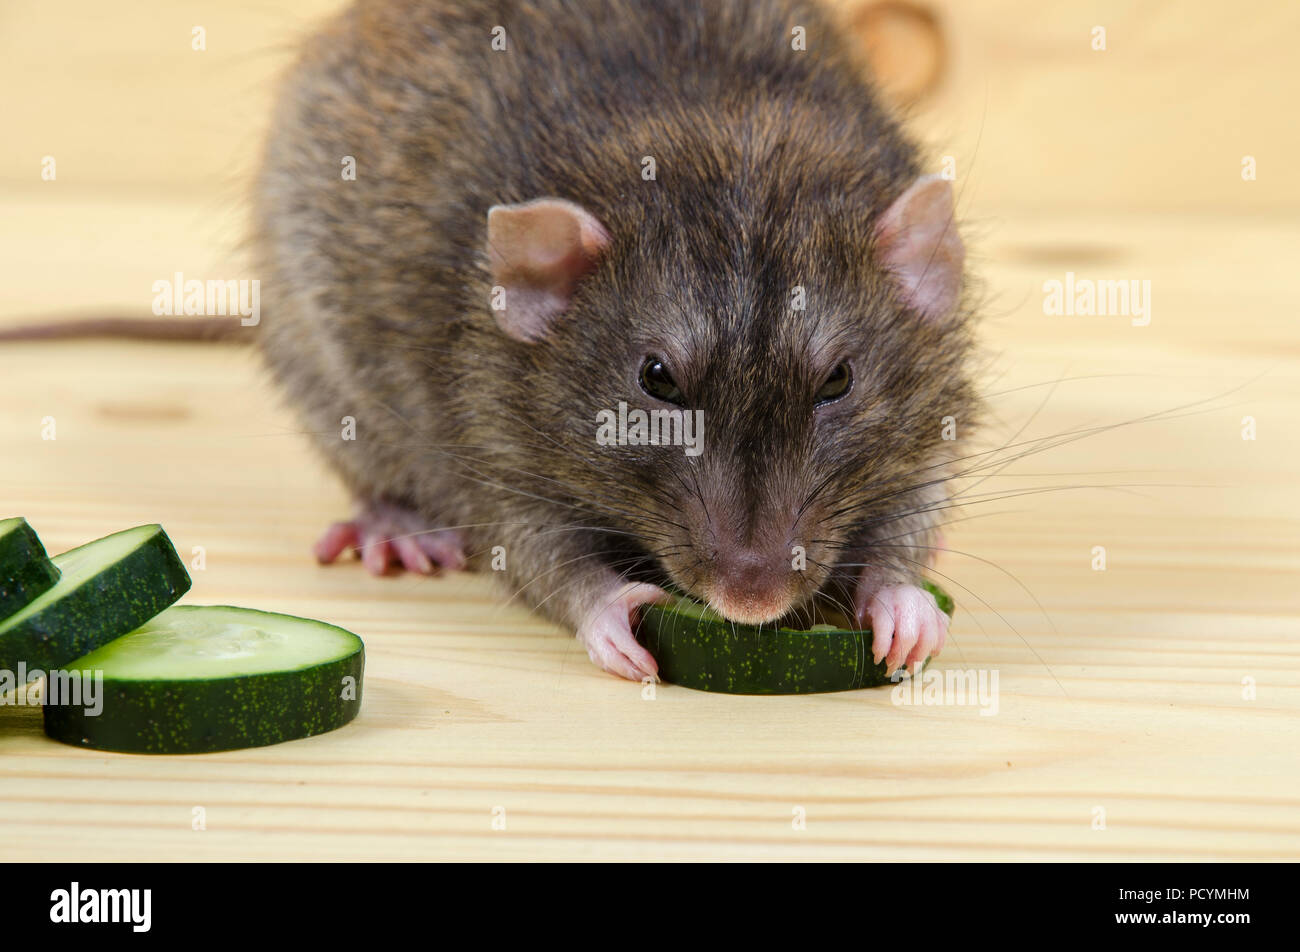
[{"x": 1123, "y": 691}]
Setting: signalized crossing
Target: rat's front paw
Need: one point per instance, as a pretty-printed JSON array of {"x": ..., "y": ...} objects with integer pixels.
[
  {"x": 907, "y": 625},
  {"x": 607, "y": 632},
  {"x": 386, "y": 536}
]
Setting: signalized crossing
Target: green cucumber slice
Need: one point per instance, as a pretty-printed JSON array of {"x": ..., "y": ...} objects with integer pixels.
[
  {"x": 202, "y": 678},
  {"x": 697, "y": 648},
  {"x": 105, "y": 589},
  {"x": 25, "y": 570}
]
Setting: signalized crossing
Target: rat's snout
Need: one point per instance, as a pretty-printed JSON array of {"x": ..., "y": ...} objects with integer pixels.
[{"x": 750, "y": 586}]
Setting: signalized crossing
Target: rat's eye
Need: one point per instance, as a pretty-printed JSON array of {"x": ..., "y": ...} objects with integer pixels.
[
  {"x": 836, "y": 385},
  {"x": 656, "y": 381}
]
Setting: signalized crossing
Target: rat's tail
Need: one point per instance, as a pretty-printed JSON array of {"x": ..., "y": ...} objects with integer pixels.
[{"x": 225, "y": 329}]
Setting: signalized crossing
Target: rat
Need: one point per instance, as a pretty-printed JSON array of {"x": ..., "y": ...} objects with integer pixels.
[{"x": 562, "y": 210}]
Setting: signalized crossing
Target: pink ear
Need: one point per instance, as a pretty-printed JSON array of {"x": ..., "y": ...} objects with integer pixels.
[
  {"x": 538, "y": 252},
  {"x": 919, "y": 244}
]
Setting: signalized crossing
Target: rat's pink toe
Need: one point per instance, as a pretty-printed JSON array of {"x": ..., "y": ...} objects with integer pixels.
[
  {"x": 376, "y": 554},
  {"x": 609, "y": 658},
  {"x": 444, "y": 547},
  {"x": 412, "y": 556},
  {"x": 941, "y": 620},
  {"x": 907, "y": 631},
  {"x": 337, "y": 538},
  {"x": 927, "y": 638}
]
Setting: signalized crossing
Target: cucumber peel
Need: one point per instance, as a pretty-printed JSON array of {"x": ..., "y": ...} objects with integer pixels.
[
  {"x": 698, "y": 648},
  {"x": 200, "y": 678},
  {"x": 105, "y": 589},
  {"x": 25, "y": 570}
]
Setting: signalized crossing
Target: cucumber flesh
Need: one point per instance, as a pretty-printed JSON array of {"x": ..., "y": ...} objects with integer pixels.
[
  {"x": 105, "y": 589},
  {"x": 25, "y": 569},
  {"x": 197, "y": 679},
  {"x": 697, "y": 648}
]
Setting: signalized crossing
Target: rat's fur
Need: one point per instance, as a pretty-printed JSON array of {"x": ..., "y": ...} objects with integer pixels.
[{"x": 773, "y": 166}]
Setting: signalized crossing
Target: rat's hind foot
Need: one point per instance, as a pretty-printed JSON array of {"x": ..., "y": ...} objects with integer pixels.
[
  {"x": 906, "y": 622},
  {"x": 607, "y": 633},
  {"x": 386, "y": 536}
]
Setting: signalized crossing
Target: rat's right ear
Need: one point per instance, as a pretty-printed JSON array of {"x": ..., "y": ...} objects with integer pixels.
[{"x": 538, "y": 251}]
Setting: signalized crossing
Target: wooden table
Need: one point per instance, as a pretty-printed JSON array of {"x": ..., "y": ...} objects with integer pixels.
[
  {"x": 1159, "y": 698},
  {"x": 1123, "y": 692}
]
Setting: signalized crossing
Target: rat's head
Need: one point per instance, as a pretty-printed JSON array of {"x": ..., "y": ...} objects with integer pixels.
[{"x": 743, "y": 395}]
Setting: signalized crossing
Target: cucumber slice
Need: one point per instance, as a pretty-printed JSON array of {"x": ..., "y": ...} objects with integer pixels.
[
  {"x": 105, "y": 589},
  {"x": 202, "y": 678},
  {"x": 25, "y": 570},
  {"x": 697, "y": 648}
]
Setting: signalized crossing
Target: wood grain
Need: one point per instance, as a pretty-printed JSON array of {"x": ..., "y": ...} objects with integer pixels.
[{"x": 1120, "y": 689}]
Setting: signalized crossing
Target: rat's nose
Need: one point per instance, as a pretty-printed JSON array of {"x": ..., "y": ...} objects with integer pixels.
[{"x": 750, "y": 587}]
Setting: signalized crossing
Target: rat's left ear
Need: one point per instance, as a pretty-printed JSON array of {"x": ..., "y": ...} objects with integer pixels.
[
  {"x": 538, "y": 252},
  {"x": 918, "y": 242}
]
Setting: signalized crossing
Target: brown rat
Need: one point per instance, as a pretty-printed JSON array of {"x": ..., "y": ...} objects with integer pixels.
[
  {"x": 504, "y": 267},
  {"x": 563, "y": 208}
]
